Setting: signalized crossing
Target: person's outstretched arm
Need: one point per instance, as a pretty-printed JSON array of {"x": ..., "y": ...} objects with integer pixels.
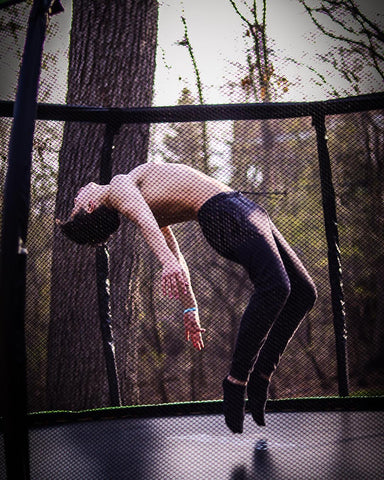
[
  {"x": 125, "y": 196},
  {"x": 193, "y": 329}
]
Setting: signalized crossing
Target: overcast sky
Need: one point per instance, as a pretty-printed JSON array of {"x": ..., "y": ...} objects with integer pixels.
[{"x": 217, "y": 37}]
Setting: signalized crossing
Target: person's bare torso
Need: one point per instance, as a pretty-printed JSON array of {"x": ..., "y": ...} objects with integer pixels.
[{"x": 175, "y": 192}]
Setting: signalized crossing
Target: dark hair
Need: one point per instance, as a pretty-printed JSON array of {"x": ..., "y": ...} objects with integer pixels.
[{"x": 92, "y": 228}]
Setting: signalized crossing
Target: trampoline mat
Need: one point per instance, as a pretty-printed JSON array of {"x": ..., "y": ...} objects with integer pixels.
[{"x": 305, "y": 445}]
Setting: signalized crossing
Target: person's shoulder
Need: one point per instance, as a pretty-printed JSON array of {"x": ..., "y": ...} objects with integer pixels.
[
  {"x": 149, "y": 169},
  {"x": 136, "y": 174},
  {"x": 146, "y": 168}
]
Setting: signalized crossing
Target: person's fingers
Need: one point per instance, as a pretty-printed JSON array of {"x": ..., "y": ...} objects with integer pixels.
[
  {"x": 198, "y": 343},
  {"x": 197, "y": 340}
]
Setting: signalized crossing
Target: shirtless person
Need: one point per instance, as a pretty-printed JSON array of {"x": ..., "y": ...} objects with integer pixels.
[{"x": 155, "y": 196}]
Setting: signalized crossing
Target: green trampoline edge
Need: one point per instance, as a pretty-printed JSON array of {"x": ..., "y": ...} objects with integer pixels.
[{"x": 36, "y": 419}]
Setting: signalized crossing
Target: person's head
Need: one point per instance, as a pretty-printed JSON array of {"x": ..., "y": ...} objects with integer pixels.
[{"x": 91, "y": 221}]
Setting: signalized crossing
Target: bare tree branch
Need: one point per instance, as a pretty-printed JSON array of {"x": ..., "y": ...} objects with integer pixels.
[
  {"x": 379, "y": 35},
  {"x": 265, "y": 51},
  {"x": 369, "y": 39},
  {"x": 240, "y": 14},
  {"x": 186, "y": 42},
  {"x": 258, "y": 33},
  {"x": 364, "y": 19}
]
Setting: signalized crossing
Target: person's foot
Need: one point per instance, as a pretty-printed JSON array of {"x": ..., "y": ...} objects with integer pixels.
[
  {"x": 257, "y": 391},
  {"x": 234, "y": 405}
]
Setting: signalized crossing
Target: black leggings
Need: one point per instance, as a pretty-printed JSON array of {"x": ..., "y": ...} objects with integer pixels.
[{"x": 241, "y": 230}]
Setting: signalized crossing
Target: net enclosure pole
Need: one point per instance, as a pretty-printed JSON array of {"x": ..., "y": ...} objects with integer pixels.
[
  {"x": 103, "y": 282},
  {"x": 334, "y": 258},
  {"x": 13, "y": 258}
]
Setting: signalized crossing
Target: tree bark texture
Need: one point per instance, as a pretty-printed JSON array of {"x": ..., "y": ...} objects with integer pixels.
[{"x": 112, "y": 64}]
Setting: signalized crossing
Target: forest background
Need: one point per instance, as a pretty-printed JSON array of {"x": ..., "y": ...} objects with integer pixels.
[{"x": 127, "y": 54}]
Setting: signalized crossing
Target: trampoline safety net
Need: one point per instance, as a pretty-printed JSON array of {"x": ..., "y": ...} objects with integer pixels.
[{"x": 105, "y": 346}]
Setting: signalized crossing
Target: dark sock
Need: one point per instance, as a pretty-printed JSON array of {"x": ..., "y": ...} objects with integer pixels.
[
  {"x": 257, "y": 390},
  {"x": 234, "y": 405}
]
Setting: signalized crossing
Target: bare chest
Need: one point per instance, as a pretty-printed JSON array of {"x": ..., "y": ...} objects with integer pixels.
[
  {"x": 175, "y": 194},
  {"x": 169, "y": 211}
]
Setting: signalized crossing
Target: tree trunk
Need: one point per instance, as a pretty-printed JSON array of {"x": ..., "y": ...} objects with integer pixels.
[{"x": 112, "y": 63}]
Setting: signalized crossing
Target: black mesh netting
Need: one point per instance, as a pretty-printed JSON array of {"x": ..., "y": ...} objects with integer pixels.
[
  {"x": 100, "y": 333},
  {"x": 156, "y": 365}
]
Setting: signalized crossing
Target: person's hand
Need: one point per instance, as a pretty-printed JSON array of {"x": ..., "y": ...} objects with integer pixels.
[
  {"x": 174, "y": 280},
  {"x": 193, "y": 329}
]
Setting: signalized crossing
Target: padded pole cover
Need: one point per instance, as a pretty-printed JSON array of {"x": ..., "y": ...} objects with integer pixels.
[
  {"x": 334, "y": 259},
  {"x": 14, "y": 251}
]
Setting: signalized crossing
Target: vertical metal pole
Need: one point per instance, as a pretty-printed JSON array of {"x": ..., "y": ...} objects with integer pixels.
[
  {"x": 334, "y": 260},
  {"x": 103, "y": 283},
  {"x": 14, "y": 252}
]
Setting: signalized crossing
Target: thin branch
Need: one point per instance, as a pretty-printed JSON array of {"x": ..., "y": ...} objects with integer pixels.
[
  {"x": 335, "y": 20},
  {"x": 250, "y": 67},
  {"x": 268, "y": 73},
  {"x": 324, "y": 81},
  {"x": 371, "y": 47},
  {"x": 255, "y": 9},
  {"x": 254, "y": 28},
  {"x": 264, "y": 32},
  {"x": 375, "y": 56},
  {"x": 362, "y": 19},
  {"x": 188, "y": 44},
  {"x": 254, "y": 32},
  {"x": 341, "y": 38},
  {"x": 311, "y": 11},
  {"x": 240, "y": 14},
  {"x": 358, "y": 13}
]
